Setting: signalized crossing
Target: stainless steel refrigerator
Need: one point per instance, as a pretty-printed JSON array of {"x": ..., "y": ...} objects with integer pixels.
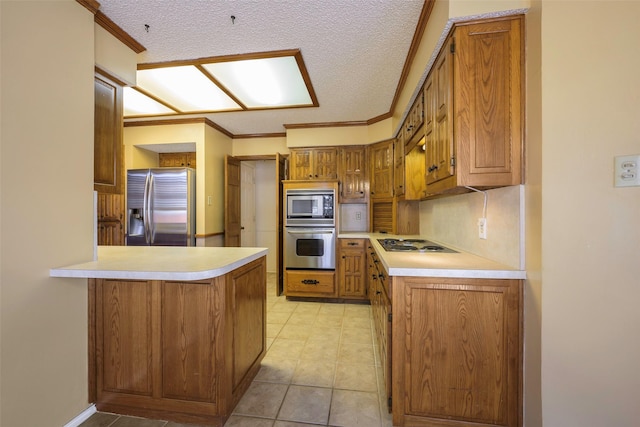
[{"x": 161, "y": 207}]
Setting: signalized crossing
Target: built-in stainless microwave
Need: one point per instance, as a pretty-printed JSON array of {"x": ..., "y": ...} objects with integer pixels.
[{"x": 310, "y": 207}]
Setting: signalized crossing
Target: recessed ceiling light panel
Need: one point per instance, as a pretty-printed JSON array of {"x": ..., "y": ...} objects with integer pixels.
[
  {"x": 139, "y": 104},
  {"x": 185, "y": 88},
  {"x": 263, "y": 83}
]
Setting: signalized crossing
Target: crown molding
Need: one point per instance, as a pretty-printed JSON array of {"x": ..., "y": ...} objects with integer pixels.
[
  {"x": 106, "y": 23},
  {"x": 323, "y": 125},
  {"x": 91, "y": 5}
]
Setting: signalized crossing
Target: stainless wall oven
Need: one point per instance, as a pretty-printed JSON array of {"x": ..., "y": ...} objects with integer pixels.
[
  {"x": 310, "y": 248},
  {"x": 310, "y": 239}
]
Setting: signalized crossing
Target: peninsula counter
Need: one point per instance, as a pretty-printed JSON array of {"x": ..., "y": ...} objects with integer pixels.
[{"x": 174, "y": 333}]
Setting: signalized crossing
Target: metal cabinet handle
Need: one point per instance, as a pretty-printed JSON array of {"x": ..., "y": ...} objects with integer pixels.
[{"x": 310, "y": 282}]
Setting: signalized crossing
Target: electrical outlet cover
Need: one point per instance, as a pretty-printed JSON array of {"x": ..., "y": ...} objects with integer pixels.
[{"x": 626, "y": 171}]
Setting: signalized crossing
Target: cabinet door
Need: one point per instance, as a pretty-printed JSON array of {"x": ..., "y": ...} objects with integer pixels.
[
  {"x": 443, "y": 161},
  {"x": 381, "y": 158},
  {"x": 310, "y": 283},
  {"x": 125, "y": 322},
  {"x": 430, "y": 127},
  {"x": 107, "y": 142},
  {"x": 353, "y": 174},
  {"x": 176, "y": 160},
  {"x": 488, "y": 83},
  {"x": 301, "y": 164},
  {"x": 458, "y": 349},
  {"x": 352, "y": 265},
  {"x": 188, "y": 317},
  {"x": 398, "y": 168},
  {"x": 325, "y": 163},
  {"x": 110, "y": 233}
]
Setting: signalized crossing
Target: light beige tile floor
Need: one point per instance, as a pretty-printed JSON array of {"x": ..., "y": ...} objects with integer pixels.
[{"x": 320, "y": 369}]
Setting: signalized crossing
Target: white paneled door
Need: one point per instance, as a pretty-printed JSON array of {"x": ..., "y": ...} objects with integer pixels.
[{"x": 248, "y": 203}]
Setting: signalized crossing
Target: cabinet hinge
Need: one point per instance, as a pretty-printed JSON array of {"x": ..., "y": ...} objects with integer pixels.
[
  {"x": 452, "y": 46},
  {"x": 453, "y": 161},
  {"x": 390, "y": 316}
]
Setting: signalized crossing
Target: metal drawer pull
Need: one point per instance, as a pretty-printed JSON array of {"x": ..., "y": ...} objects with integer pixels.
[{"x": 310, "y": 282}]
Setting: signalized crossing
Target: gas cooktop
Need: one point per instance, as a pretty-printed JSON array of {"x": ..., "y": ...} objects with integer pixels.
[{"x": 413, "y": 245}]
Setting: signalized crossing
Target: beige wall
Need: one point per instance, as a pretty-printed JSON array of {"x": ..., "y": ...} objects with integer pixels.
[
  {"x": 217, "y": 146},
  {"x": 46, "y": 209},
  {"x": 260, "y": 146},
  {"x": 590, "y": 229},
  {"x": 211, "y": 146},
  {"x": 317, "y": 137},
  {"x": 112, "y": 55},
  {"x": 533, "y": 222}
]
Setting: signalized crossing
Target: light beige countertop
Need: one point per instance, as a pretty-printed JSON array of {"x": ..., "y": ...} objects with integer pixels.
[
  {"x": 161, "y": 263},
  {"x": 418, "y": 264}
]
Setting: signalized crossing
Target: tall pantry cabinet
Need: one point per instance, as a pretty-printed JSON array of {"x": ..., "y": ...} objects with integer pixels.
[{"x": 108, "y": 175}]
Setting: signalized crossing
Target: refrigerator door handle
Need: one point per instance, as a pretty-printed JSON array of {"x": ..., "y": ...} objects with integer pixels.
[
  {"x": 145, "y": 207},
  {"x": 150, "y": 210}
]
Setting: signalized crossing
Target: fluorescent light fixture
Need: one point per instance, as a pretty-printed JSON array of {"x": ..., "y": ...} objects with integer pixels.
[
  {"x": 267, "y": 82},
  {"x": 185, "y": 88},
  {"x": 137, "y": 104},
  {"x": 231, "y": 83}
]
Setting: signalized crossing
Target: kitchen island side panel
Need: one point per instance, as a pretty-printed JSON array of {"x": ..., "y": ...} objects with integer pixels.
[{"x": 201, "y": 343}]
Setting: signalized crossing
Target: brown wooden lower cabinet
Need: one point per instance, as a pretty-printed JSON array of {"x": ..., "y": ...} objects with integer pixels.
[
  {"x": 178, "y": 351},
  {"x": 381, "y": 311},
  {"x": 351, "y": 274},
  {"x": 457, "y": 352},
  {"x": 310, "y": 283}
]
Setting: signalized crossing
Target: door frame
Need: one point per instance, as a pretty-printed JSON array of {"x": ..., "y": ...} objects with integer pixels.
[{"x": 280, "y": 160}]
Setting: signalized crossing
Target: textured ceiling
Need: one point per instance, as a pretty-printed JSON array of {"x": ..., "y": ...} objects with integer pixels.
[{"x": 354, "y": 50}]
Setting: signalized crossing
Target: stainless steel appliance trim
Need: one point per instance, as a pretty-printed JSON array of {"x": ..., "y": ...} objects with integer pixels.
[{"x": 307, "y": 262}]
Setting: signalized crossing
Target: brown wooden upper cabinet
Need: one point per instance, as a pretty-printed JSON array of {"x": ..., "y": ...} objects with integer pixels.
[
  {"x": 314, "y": 163},
  {"x": 352, "y": 174},
  {"x": 172, "y": 160},
  {"x": 398, "y": 168},
  {"x": 108, "y": 174},
  {"x": 473, "y": 108},
  {"x": 412, "y": 128},
  {"x": 381, "y": 169}
]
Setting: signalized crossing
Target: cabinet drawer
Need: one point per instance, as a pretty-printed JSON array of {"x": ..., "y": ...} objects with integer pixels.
[
  {"x": 310, "y": 282},
  {"x": 351, "y": 243}
]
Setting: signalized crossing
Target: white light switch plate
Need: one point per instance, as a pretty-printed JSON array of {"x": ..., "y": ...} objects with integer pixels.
[{"x": 626, "y": 171}]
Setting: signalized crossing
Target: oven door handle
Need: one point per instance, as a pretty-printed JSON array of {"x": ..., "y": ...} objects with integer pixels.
[{"x": 311, "y": 231}]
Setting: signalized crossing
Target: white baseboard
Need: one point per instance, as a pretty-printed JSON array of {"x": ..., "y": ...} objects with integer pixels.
[{"x": 84, "y": 415}]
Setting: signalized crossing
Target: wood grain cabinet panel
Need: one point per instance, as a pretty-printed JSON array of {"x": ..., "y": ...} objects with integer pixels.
[
  {"x": 317, "y": 163},
  {"x": 381, "y": 309},
  {"x": 108, "y": 173},
  {"x": 178, "y": 351},
  {"x": 474, "y": 108},
  {"x": 457, "y": 352},
  {"x": 352, "y": 273},
  {"x": 381, "y": 169},
  {"x": 310, "y": 283},
  {"x": 353, "y": 174},
  {"x": 110, "y": 219},
  {"x": 177, "y": 160},
  {"x": 126, "y": 323},
  {"x": 188, "y": 341},
  {"x": 398, "y": 168}
]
